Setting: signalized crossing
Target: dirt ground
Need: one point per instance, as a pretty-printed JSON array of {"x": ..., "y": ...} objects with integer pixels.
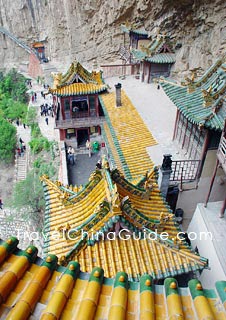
[{"x": 6, "y": 180}]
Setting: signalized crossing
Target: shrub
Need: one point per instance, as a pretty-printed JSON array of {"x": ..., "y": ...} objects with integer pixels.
[
  {"x": 39, "y": 144},
  {"x": 7, "y": 140}
]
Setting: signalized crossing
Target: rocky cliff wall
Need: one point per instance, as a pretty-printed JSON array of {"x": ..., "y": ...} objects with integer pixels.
[{"x": 89, "y": 29}]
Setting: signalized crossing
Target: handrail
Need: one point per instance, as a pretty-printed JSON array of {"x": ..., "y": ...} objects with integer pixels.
[
  {"x": 17, "y": 41},
  {"x": 185, "y": 170}
]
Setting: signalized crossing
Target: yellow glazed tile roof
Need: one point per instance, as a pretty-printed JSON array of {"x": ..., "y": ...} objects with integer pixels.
[
  {"x": 76, "y": 69},
  {"x": 137, "y": 257},
  {"x": 109, "y": 203},
  {"x": 130, "y": 135},
  {"x": 32, "y": 288},
  {"x": 79, "y": 89}
]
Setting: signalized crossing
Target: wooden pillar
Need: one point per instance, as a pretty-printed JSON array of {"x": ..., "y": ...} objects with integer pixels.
[
  {"x": 97, "y": 105},
  {"x": 87, "y": 97},
  {"x": 62, "y": 107},
  {"x": 70, "y": 102},
  {"x": 176, "y": 124},
  {"x": 223, "y": 209},
  {"x": 185, "y": 134},
  {"x": 211, "y": 183},
  {"x": 62, "y": 134},
  {"x": 204, "y": 151},
  {"x": 149, "y": 72}
]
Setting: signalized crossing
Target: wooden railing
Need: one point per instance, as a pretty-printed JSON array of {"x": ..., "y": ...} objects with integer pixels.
[
  {"x": 221, "y": 153},
  {"x": 185, "y": 170},
  {"x": 79, "y": 122},
  {"x": 117, "y": 70}
]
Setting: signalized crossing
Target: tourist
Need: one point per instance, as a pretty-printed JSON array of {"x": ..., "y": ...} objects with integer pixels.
[
  {"x": 88, "y": 146},
  {"x": 1, "y": 204},
  {"x": 18, "y": 152},
  {"x": 47, "y": 120},
  {"x": 71, "y": 155},
  {"x": 99, "y": 165},
  {"x": 17, "y": 122},
  {"x": 24, "y": 125},
  {"x": 23, "y": 146}
]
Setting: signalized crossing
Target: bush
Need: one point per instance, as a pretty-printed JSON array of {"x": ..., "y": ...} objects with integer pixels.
[
  {"x": 13, "y": 86},
  {"x": 31, "y": 117},
  {"x": 35, "y": 130},
  {"x": 39, "y": 144},
  {"x": 7, "y": 140},
  {"x": 29, "y": 193}
]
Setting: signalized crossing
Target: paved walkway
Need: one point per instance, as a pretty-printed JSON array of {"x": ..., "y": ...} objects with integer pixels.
[
  {"x": 157, "y": 112},
  {"x": 21, "y": 162},
  {"x": 79, "y": 173},
  {"x": 47, "y": 131}
]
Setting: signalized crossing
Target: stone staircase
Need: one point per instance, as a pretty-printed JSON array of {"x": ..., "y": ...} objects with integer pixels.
[
  {"x": 21, "y": 167},
  {"x": 21, "y": 162}
]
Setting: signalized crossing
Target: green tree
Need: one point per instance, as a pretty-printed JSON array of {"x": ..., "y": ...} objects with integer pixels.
[
  {"x": 29, "y": 193},
  {"x": 7, "y": 140},
  {"x": 13, "y": 84}
]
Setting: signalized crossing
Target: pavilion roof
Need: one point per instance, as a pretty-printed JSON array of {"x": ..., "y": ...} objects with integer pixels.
[
  {"x": 201, "y": 101},
  {"x": 40, "y": 288},
  {"x": 157, "y": 51},
  {"x": 79, "y": 89},
  {"x": 134, "y": 29},
  {"x": 109, "y": 203},
  {"x": 77, "y": 81}
]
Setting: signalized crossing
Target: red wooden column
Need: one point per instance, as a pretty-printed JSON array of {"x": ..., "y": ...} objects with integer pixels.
[
  {"x": 204, "y": 151},
  {"x": 211, "y": 183},
  {"x": 62, "y": 107},
  {"x": 96, "y": 105},
  {"x": 176, "y": 124},
  {"x": 223, "y": 209},
  {"x": 185, "y": 134},
  {"x": 70, "y": 102}
]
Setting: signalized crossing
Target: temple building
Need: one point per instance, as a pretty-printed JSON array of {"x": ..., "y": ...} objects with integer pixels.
[
  {"x": 34, "y": 288},
  {"x": 150, "y": 56},
  {"x": 39, "y": 48},
  {"x": 116, "y": 225},
  {"x": 156, "y": 57},
  {"x": 122, "y": 198},
  {"x": 201, "y": 110},
  {"x": 78, "y": 113},
  {"x": 135, "y": 35}
]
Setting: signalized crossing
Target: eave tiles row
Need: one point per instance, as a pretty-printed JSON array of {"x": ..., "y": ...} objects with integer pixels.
[
  {"x": 79, "y": 89},
  {"x": 32, "y": 288}
]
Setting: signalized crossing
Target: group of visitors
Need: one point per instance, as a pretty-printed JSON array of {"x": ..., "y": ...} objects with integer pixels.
[
  {"x": 71, "y": 155},
  {"x": 46, "y": 110},
  {"x": 34, "y": 97},
  {"x": 18, "y": 123},
  {"x": 21, "y": 148},
  {"x": 29, "y": 83}
]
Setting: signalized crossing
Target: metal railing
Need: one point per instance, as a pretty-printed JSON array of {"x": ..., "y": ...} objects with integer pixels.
[{"x": 185, "y": 170}]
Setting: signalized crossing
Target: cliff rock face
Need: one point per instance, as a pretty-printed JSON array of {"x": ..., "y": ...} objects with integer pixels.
[{"x": 90, "y": 30}]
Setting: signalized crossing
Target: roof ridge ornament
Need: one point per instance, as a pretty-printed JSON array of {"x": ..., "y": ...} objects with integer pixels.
[
  {"x": 207, "y": 97},
  {"x": 190, "y": 82}
]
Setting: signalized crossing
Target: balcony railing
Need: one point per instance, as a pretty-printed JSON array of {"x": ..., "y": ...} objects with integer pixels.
[
  {"x": 185, "y": 170},
  {"x": 79, "y": 122},
  {"x": 221, "y": 153}
]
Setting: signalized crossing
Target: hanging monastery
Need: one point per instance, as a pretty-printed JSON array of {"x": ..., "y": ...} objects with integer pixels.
[{"x": 84, "y": 274}]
